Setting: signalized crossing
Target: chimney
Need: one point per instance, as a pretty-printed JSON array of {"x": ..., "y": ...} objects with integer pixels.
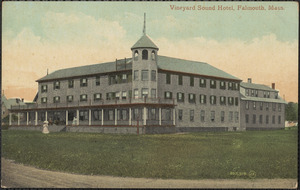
[
  {"x": 22, "y": 99},
  {"x": 249, "y": 80},
  {"x": 273, "y": 86}
]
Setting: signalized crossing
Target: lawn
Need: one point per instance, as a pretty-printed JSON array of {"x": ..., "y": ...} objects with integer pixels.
[{"x": 214, "y": 155}]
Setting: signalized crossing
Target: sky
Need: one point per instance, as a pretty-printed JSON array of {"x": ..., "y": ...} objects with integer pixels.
[{"x": 257, "y": 44}]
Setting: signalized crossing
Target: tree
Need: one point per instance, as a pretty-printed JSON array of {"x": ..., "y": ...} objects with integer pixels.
[{"x": 291, "y": 111}]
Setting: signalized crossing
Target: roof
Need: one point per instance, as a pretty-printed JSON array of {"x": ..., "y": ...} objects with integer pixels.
[
  {"x": 11, "y": 102},
  {"x": 165, "y": 63},
  {"x": 144, "y": 42},
  {"x": 258, "y": 99},
  {"x": 257, "y": 86}
]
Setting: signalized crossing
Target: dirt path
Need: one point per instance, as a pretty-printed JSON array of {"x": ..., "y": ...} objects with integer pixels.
[{"x": 18, "y": 175}]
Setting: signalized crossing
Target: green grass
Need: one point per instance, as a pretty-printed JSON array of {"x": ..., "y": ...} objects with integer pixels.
[{"x": 214, "y": 155}]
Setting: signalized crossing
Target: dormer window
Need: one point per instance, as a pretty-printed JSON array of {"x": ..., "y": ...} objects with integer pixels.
[
  {"x": 145, "y": 55},
  {"x": 153, "y": 55},
  {"x": 136, "y": 55}
]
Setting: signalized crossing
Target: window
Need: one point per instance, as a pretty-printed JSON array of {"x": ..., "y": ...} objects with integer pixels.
[
  {"x": 213, "y": 84},
  {"x": 44, "y": 100},
  {"x": 97, "y": 80},
  {"x": 236, "y": 101},
  {"x": 222, "y": 116},
  {"x": 153, "y": 93},
  {"x": 180, "y": 115},
  {"x": 71, "y": 83},
  {"x": 276, "y": 95},
  {"x": 124, "y": 78},
  {"x": 124, "y": 94},
  {"x": 111, "y": 115},
  {"x": 180, "y": 97},
  {"x": 274, "y": 106},
  {"x": 247, "y": 105},
  {"x": 230, "y": 116},
  {"x": 191, "y": 115},
  {"x": 247, "y": 118},
  {"x": 252, "y": 92},
  {"x": 237, "y": 86},
  {"x": 44, "y": 88},
  {"x": 83, "y": 115},
  {"x": 265, "y": 94},
  {"x": 191, "y": 81},
  {"x": 254, "y": 105},
  {"x": 153, "y": 55},
  {"x": 254, "y": 119},
  {"x": 136, "y": 75},
  {"x": 202, "y": 115},
  {"x": 267, "y": 119},
  {"x": 145, "y": 55},
  {"x": 56, "y": 99},
  {"x": 279, "y": 119},
  {"x": 247, "y": 92},
  {"x": 222, "y": 85},
  {"x": 261, "y": 105},
  {"x": 213, "y": 99},
  {"x": 267, "y": 106},
  {"x": 153, "y": 75},
  {"x": 56, "y": 85},
  {"x": 83, "y": 82},
  {"x": 97, "y": 96},
  {"x": 145, "y": 92},
  {"x": 202, "y": 83},
  {"x": 279, "y": 107},
  {"x": 122, "y": 114},
  {"x": 192, "y": 98},
  {"x": 236, "y": 116},
  {"x": 83, "y": 97},
  {"x": 256, "y": 93},
  {"x": 168, "y": 78},
  {"x": 70, "y": 98},
  {"x": 273, "y": 119},
  {"x": 180, "y": 82},
  {"x": 268, "y": 94},
  {"x": 168, "y": 95},
  {"x": 136, "y": 93},
  {"x": 110, "y": 95},
  {"x": 97, "y": 115},
  {"x": 117, "y": 95},
  {"x": 260, "y": 119},
  {"x": 230, "y": 100},
  {"x": 212, "y": 116},
  {"x": 136, "y": 55},
  {"x": 229, "y": 85},
  {"x": 202, "y": 99},
  {"x": 145, "y": 75},
  {"x": 222, "y": 100},
  {"x": 152, "y": 113}
]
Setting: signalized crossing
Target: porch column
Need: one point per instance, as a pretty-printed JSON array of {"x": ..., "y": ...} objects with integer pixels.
[
  {"x": 18, "y": 118},
  {"x": 102, "y": 117},
  {"x": 144, "y": 116},
  {"x": 9, "y": 119},
  {"x": 90, "y": 116},
  {"x": 116, "y": 117},
  {"x": 159, "y": 116},
  {"x": 67, "y": 118},
  {"x": 27, "y": 117},
  {"x": 174, "y": 119},
  {"x": 46, "y": 116},
  {"x": 129, "y": 116},
  {"x": 77, "y": 117},
  {"x": 36, "y": 118}
]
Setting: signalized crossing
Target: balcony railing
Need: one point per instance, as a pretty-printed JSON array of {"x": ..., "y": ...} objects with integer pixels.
[{"x": 96, "y": 103}]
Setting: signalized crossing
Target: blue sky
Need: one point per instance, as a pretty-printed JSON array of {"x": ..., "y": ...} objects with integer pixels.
[{"x": 262, "y": 45}]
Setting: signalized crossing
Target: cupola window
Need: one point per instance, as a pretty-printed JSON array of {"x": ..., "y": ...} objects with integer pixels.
[
  {"x": 153, "y": 55},
  {"x": 145, "y": 55},
  {"x": 136, "y": 55}
]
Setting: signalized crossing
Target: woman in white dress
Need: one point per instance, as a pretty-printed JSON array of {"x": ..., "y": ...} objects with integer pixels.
[{"x": 45, "y": 128}]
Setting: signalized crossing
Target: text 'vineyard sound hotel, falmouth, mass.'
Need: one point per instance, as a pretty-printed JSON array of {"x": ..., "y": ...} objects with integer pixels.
[{"x": 149, "y": 93}]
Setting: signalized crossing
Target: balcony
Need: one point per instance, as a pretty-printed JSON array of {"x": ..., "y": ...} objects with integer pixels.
[{"x": 99, "y": 103}]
